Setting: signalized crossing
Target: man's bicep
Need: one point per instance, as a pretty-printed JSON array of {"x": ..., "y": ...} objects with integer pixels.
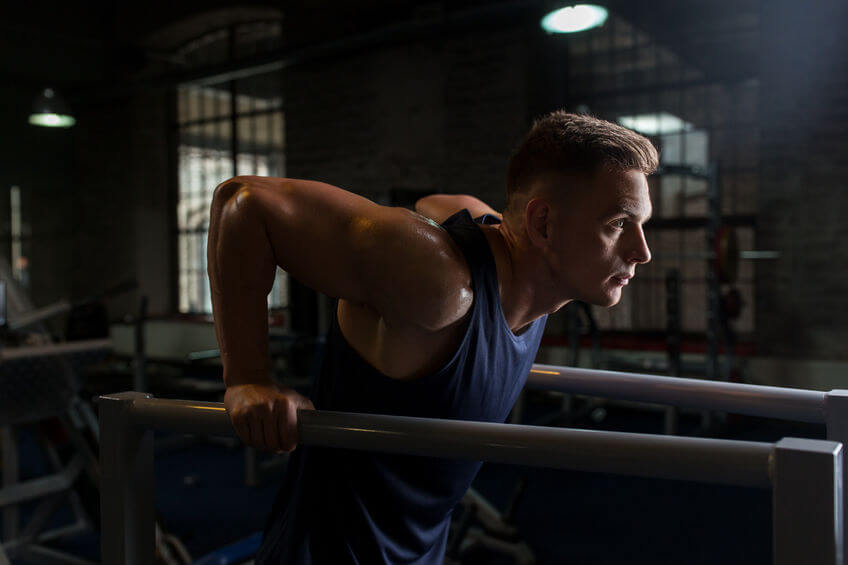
[
  {"x": 348, "y": 247},
  {"x": 314, "y": 230}
]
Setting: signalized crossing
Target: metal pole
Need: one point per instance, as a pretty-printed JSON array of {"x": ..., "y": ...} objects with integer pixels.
[
  {"x": 836, "y": 408},
  {"x": 713, "y": 286},
  {"x": 807, "y": 502},
  {"x": 126, "y": 484},
  {"x": 10, "y": 477},
  {"x": 695, "y": 459},
  {"x": 806, "y": 475},
  {"x": 140, "y": 357},
  {"x": 673, "y": 341},
  {"x": 754, "y": 400}
]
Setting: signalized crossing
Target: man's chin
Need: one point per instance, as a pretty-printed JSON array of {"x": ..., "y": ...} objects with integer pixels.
[{"x": 610, "y": 299}]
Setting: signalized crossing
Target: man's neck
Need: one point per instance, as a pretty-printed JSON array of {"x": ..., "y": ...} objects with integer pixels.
[{"x": 527, "y": 291}]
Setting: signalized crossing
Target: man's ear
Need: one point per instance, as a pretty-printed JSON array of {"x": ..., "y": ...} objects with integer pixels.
[{"x": 537, "y": 215}]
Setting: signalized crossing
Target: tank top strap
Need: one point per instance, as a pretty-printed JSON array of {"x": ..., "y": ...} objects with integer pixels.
[{"x": 474, "y": 245}]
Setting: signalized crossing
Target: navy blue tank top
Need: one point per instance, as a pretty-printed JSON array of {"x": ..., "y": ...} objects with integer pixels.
[{"x": 341, "y": 506}]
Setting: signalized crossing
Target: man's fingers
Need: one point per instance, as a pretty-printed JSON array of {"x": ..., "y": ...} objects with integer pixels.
[
  {"x": 242, "y": 429},
  {"x": 271, "y": 431},
  {"x": 288, "y": 416},
  {"x": 265, "y": 417},
  {"x": 257, "y": 439}
]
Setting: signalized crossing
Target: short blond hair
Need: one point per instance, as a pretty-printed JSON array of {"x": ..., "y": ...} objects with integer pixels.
[{"x": 579, "y": 144}]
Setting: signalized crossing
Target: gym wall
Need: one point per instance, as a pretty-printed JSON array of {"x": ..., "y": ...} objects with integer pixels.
[{"x": 801, "y": 299}]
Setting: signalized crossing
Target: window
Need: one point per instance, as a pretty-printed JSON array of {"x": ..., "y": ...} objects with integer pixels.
[
  {"x": 19, "y": 238},
  {"x": 235, "y": 127}
]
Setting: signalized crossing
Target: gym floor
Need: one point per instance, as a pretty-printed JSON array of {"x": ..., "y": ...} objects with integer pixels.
[{"x": 565, "y": 517}]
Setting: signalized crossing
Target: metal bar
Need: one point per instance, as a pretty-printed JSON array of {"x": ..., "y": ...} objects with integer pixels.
[
  {"x": 713, "y": 286},
  {"x": 758, "y": 255},
  {"x": 40, "y": 314},
  {"x": 140, "y": 353},
  {"x": 442, "y": 25},
  {"x": 68, "y": 348},
  {"x": 753, "y": 400},
  {"x": 42, "y": 486},
  {"x": 807, "y": 502},
  {"x": 11, "y": 476},
  {"x": 695, "y": 459},
  {"x": 220, "y": 119}
]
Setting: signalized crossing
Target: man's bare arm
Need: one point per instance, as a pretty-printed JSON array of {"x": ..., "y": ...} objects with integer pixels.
[
  {"x": 440, "y": 207},
  {"x": 406, "y": 268}
]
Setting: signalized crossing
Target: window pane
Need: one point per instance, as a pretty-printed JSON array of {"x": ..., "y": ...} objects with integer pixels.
[{"x": 204, "y": 152}]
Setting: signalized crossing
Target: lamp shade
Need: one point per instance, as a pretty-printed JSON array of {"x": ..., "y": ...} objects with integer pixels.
[{"x": 50, "y": 110}]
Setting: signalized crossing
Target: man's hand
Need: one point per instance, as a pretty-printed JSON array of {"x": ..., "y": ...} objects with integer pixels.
[{"x": 265, "y": 416}]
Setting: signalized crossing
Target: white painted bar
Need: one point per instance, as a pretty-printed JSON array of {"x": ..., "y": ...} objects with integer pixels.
[{"x": 737, "y": 398}]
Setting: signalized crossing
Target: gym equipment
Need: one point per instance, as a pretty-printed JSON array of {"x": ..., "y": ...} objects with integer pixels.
[
  {"x": 37, "y": 383},
  {"x": 726, "y": 255},
  {"x": 805, "y": 475},
  {"x": 34, "y": 316},
  {"x": 481, "y": 525}
]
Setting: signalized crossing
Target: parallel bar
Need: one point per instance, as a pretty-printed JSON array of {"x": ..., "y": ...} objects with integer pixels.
[
  {"x": 753, "y": 400},
  {"x": 183, "y": 416},
  {"x": 704, "y": 460}
]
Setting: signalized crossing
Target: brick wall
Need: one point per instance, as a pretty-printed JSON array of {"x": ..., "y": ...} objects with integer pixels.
[
  {"x": 40, "y": 162},
  {"x": 802, "y": 299},
  {"x": 434, "y": 115}
]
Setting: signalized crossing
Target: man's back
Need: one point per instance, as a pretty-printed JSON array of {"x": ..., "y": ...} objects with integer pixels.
[{"x": 345, "y": 506}]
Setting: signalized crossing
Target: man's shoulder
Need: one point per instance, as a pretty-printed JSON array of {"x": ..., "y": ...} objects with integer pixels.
[{"x": 424, "y": 279}]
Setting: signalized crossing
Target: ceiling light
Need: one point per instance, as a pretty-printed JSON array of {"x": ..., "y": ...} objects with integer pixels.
[
  {"x": 50, "y": 110},
  {"x": 572, "y": 19},
  {"x": 659, "y": 123}
]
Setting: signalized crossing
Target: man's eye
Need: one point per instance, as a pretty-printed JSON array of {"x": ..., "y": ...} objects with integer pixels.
[{"x": 618, "y": 223}]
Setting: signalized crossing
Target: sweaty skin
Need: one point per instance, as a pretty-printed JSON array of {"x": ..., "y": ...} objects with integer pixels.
[{"x": 404, "y": 287}]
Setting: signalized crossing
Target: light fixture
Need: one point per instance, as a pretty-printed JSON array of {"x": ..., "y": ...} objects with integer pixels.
[
  {"x": 572, "y": 19},
  {"x": 659, "y": 123},
  {"x": 50, "y": 110}
]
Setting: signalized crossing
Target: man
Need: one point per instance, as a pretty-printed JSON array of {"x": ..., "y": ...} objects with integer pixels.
[{"x": 432, "y": 320}]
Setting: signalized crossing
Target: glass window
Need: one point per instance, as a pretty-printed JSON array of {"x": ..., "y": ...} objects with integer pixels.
[{"x": 226, "y": 129}]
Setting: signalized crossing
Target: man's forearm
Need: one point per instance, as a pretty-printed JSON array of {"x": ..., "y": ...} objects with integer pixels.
[{"x": 241, "y": 274}]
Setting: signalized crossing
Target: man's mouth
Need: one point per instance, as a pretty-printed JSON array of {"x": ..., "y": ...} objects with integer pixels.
[{"x": 622, "y": 280}]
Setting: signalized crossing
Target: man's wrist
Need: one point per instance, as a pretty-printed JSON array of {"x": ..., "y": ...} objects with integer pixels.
[{"x": 235, "y": 377}]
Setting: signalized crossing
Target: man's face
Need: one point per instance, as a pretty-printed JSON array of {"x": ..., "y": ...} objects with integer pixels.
[{"x": 597, "y": 238}]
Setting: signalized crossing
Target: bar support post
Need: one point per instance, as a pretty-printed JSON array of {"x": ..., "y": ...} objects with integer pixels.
[
  {"x": 836, "y": 411},
  {"x": 807, "y": 502},
  {"x": 126, "y": 484}
]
